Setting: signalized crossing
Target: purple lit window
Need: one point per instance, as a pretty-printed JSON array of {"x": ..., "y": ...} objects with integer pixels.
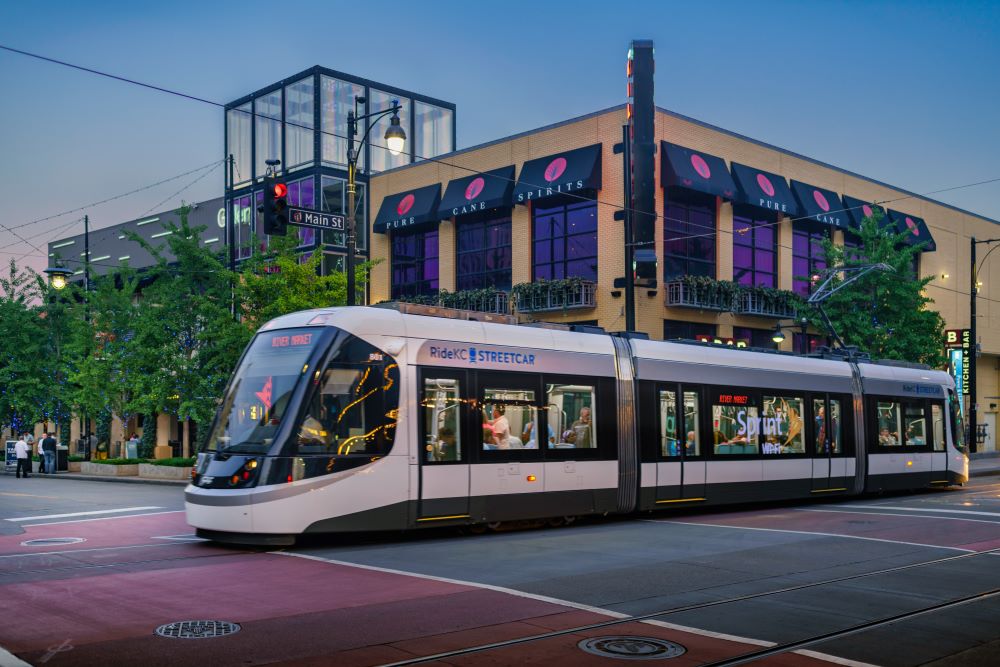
[
  {"x": 302, "y": 193},
  {"x": 755, "y": 247},
  {"x": 242, "y": 226},
  {"x": 689, "y": 235},
  {"x": 807, "y": 256},
  {"x": 415, "y": 263},
  {"x": 483, "y": 252},
  {"x": 565, "y": 241}
]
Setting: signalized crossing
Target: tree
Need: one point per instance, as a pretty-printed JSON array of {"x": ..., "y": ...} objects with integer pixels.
[
  {"x": 884, "y": 313},
  {"x": 22, "y": 349}
]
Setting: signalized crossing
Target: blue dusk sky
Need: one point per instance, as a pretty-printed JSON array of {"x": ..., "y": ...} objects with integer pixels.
[{"x": 904, "y": 92}]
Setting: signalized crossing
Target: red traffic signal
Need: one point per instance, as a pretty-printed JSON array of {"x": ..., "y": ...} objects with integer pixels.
[
  {"x": 280, "y": 190},
  {"x": 274, "y": 210}
]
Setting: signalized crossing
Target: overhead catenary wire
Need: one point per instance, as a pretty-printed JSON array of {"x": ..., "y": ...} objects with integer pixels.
[{"x": 712, "y": 231}]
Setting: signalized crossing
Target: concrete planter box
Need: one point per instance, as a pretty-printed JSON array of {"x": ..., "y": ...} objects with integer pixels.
[
  {"x": 74, "y": 466},
  {"x": 150, "y": 471},
  {"x": 109, "y": 470}
]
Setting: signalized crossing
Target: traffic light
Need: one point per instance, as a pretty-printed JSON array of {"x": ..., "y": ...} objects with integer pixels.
[{"x": 274, "y": 211}]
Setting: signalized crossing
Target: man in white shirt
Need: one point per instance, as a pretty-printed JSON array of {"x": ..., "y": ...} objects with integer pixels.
[
  {"x": 23, "y": 452},
  {"x": 41, "y": 455}
]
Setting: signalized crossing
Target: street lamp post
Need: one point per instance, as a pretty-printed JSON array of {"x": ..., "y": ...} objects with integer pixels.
[
  {"x": 395, "y": 137},
  {"x": 778, "y": 335},
  {"x": 973, "y": 291},
  {"x": 57, "y": 280}
]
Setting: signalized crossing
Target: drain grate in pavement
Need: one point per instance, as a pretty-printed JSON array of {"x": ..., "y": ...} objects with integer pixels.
[
  {"x": 632, "y": 648},
  {"x": 197, "y": 629},
  {"x": 52, "y": 541}
]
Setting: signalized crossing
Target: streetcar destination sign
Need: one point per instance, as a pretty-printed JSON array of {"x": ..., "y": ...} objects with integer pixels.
[{"x": 304, "y": 217}]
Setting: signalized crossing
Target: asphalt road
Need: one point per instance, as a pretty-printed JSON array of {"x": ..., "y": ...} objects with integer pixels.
[{"x": 518, "y": 597}]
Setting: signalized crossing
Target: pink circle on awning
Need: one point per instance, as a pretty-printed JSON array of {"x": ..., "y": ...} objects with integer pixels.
[
  {"x": 821, "y": 200},
  {"x": 475, "y": 188},
  {"x": 699, "y": 164},
  {"x": 405, "y": 204},
  {"x": 914, "y": 227},
  {"x": 555, "y": 169},
  {"x": 867, "y": 210},
  {"x": 765, "y": 184}
]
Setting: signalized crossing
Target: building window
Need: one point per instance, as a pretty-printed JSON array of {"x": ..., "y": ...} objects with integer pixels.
[
  {"x": 299, "y": 98},
  {"x": 483, "y": 253},
  {"x": 302, "y": 193},
  {"x": 689, "y": 235},
  {"x": 239, "y": 124},
  {"x": 336, "y": 100},
  {"x": 755, "y": 337},
  {"x": 267, "y": 124},
  {"x": 381, "y": 158},
  {"x": 243, "y": 226},
  {"x": 415, "y": 263},
  {"x": 335, "y": 201},
  {"x": 433, "y": 127},
  {"x": 808, "y": 258},
  {"x": 565, "y": 241},
  {"x": 673, "y": 330},
  {"x": 755, "y": 247}
]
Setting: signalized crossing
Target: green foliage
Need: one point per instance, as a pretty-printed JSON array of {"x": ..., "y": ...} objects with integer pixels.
[
  {"x": 118, "y": 462},
  {"x": 104, "y": 426},
  {"x": 23, "y": 370},
  {"x": 175, "y": 462},
  {"x": 487, "y": 299},
  {"x": 884, "y": 313},
  {"x": 73, "y": 458},
  {"x": 148, "y": 440}
]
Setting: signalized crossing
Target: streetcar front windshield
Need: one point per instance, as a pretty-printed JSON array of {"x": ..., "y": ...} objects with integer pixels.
[{"x": 261, "y": 390}]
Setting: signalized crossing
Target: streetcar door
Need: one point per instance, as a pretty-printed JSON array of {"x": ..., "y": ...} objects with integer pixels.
[
  {"x": 822, "y": 447},
  {"x": 680, "y": 469},
  {"x": 443, "y": 442},
  {"x": 939, "y": 457}
]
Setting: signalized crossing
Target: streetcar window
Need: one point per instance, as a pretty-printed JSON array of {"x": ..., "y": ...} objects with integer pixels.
[
  {"x": 506, "y": 416},
  {"x": 937, "y": 426},
  {"x": 834, "y": 424},
  {"x": 442, "y": 405},
  {"x": 692, "y": 441},
  {"x": 889, "y": 424},
  {"x": 957, "y": 421},
  {"x": 737, "y": 424},
  {"x": 571, "y": 416},
  {"x": 261, "y": 389},
  {"x": 669, "y": 444},
  {"x": 915, "y": 427},
  {"x": 782, "y": 425}
]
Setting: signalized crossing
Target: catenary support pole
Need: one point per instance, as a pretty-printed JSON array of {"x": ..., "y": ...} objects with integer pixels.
[
  {"x": 973, "y": 289},
  {"x": 629, "y": 250}
]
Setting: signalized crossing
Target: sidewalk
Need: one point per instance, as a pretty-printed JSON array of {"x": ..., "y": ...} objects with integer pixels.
[{"x": 986, "y": 463}]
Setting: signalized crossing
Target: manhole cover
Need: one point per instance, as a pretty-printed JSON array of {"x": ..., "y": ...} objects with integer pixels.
[
  {"x": 632, "y": 648},
  {"x": 51, "y": 541},
  {"x": 197, "y": 629}
]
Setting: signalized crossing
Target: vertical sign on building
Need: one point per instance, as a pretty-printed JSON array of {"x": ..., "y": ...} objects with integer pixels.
[
  {"x": 959, "y": 345},
  {"x": 641, "y": 115}
]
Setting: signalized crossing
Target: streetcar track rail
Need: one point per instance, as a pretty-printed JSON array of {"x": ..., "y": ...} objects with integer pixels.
[{"x": 791, "y": 646}]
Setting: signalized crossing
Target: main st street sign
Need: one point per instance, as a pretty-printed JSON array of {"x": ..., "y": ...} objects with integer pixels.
[{"x": 304, "y": 217}]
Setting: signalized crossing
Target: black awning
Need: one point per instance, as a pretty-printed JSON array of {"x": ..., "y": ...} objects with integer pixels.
[
  {"x": 765, "y": 190},
  {"x": 694, "y": 170},
  {"x": 916, "y": 228},
  {"x": 859, "y": 209},
  {"x": 820, "y": 204},
  {"x": 559, "y": 174},
  {"x": 478, "y": 192},
  {"x": 408, "y": 209}
]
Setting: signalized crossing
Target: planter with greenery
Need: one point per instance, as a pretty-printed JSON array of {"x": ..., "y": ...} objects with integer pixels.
[
  {"x": 111, "y": 467},
  {"x": 485, "y": 300},
  {"x": 767, "y": 302},
  {"x": 178, "y": 468},
  {"x": 563, "y": 294},
  {"x": 701, "y": 292},
  {"x": 74, "y": 462}
]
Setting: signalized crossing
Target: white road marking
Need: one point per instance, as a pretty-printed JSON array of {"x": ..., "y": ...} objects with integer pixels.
[
  {"x": 63, "y": 516},
  {"x": 76, "y": 551},
  {"x": 190, "y": 537},
  {"x": 103, "y": 518},
  {"x": 941, "y": 511},
  {"x": 912, "y": 516},
  {"x": 575, "y": 605},
  {"x": 809, "y": 532}
]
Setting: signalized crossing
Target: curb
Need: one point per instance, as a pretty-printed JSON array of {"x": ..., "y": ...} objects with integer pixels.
[
  {"x": 99, "y": 478},
  {"x": 992, "y": 472}
]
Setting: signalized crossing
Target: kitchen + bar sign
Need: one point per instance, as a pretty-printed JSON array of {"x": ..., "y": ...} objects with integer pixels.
[{"x": 304, "y": 217}]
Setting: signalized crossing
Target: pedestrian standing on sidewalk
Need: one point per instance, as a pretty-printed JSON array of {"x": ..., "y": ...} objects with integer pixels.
[
  {"x": 49, "y": 449},
  {"x": 37, "y": 449},
  {"x": 23, "y": 452}
]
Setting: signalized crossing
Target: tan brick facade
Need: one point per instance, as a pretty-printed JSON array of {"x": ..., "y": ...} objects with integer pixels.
[{"x": 951, "y": 228}]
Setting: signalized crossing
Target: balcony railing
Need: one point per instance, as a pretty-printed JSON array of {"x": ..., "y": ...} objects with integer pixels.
[
  {"x": 539, "y": 297},
  {"x": 681, "y": 294},
  {"x": 497, "y": 302},
  {"x": 763, "y": 305}
]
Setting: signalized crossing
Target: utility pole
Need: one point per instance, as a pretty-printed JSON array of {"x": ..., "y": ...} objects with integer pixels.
[
  {"x": 973, "y": 353},
  {"x": 86, "y": 317},
  {"x": 629, "y": 249}
]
